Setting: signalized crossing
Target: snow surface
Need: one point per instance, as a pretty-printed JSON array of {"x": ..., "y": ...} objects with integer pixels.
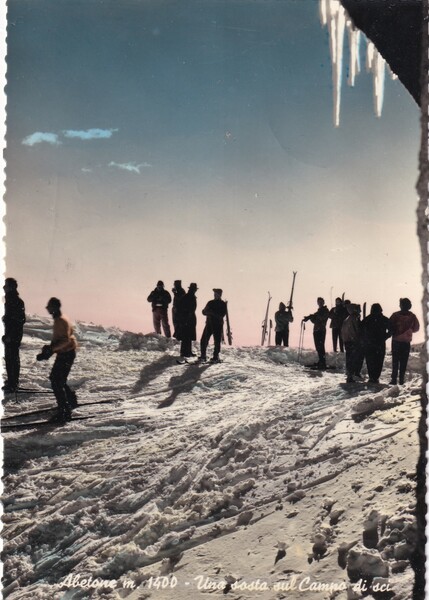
[{"x": 253, "y": 472}]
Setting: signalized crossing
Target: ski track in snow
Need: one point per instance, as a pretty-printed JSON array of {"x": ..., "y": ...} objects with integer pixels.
[{"x": 179, "y": 455}]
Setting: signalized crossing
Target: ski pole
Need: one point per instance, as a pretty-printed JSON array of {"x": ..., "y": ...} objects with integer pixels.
[{"x": 301, "y": 341}]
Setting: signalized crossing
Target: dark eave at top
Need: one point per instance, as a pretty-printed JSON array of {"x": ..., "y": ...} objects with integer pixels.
[{"x": 395, "y": 27}]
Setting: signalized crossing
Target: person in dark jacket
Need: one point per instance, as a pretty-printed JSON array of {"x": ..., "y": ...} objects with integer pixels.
[
  {"x": 319, "y": 319},
  {"x": 376, "y": 330},
  {"x": 282, "y": 318},
  {"x": 13, "y": 320},
  {"x": 160, "y": 300},
  {"x": 178, "y": 293},
  {"x": 337, "y": 314},
  {"x": 64, "y": 345},
  {"x": 186, "y": 320},
  {"x": 404, "y": 323},
  {"x": 215, "y": 311}
]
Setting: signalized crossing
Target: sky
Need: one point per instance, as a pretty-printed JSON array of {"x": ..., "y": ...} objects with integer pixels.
[{"x": 194, "y": 140}]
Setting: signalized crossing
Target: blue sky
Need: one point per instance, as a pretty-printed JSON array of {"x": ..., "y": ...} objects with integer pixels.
[{"x": 194, "y": 140}]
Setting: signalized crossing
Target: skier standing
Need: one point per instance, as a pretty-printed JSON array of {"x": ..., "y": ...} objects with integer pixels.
[
  {"x": 215, "y": 311},
  {"x": 178, "y": 293},
  {"x": 375, "y": 331},
  {"x": 351, "y": 334},
  {"x": 187, "y": 321},
  {"x": 319, "y": 319},
  {"x": 64, "y": 345},
  {"x": 13, "y": 320},
  {"x": 337, "y": 314},
  {"x": 404, "y": 323},
  {"x": 282, "y": 318},
  {"x": 160, "y": 299}
]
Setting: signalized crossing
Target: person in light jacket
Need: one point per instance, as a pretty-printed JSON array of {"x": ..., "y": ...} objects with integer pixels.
[
  {"x": 403, "y": 323},
  {"x": 351, "y": 334},
  {"x": 64, "y": 345}
]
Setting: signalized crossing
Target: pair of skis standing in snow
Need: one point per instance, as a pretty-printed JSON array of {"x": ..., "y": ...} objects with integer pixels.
[{"x": 282, "y": 319}]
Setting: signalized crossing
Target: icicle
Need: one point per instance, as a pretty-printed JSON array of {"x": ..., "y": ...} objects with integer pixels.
[
  {"x": 354, "y": 43},
  {"x": 334, "y": 16},
  {"x": 393, "y": 75},
  {"x": 376, "y": 64},
  {"x": 323, "y": 9},
  {"x": 370, "y": 51}
]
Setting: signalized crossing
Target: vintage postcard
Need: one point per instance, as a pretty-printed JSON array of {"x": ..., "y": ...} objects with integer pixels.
[{"x": 213, "y": 325}]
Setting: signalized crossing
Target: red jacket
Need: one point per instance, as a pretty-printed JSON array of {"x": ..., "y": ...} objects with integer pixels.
[{"x": 404, "y": 324}]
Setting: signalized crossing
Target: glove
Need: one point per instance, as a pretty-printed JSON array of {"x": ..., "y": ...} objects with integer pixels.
[{"x": 45, "y": 354}]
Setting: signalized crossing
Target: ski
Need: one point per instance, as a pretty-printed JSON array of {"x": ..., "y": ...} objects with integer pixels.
[
  {"x": 228, "y": 326},
  {"x": 269, "y": 335},
  {"x": 41, "y": 411},
  {"x": 352, "y": 385},
  {"x": 290, "y": 307},
  {"x": 265, "y": 322},
  {"x": 28, "y": 391},
  {"x": 316, "y": 367},
  {"x": 36, "y": 424},
  {"x": 188, "y": 360}
]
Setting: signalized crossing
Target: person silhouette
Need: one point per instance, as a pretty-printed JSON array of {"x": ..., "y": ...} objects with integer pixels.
[
  {"x": 214, "y": 311},
  {"x": 404, "y": 323},
  {"x": 64, "y": 345},
  {"x": 160, "y": 299},
  {"x": 282, "y": 318},
  {"x": 319, "y": 319},
  {"x": 13, "y": 321}
]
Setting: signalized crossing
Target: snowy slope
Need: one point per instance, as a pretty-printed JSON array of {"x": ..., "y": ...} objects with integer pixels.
[{"x": 204, "y": 474}]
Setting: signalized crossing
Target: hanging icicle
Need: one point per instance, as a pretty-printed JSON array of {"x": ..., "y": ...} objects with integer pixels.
[
  {"x": 354, "y": 44},
  {"x": 376, "y": 65},
  {"x": 334, "y": 16}
]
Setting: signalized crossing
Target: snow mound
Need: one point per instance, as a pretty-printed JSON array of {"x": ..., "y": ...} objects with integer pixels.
[{"x": 151, "y": 341}]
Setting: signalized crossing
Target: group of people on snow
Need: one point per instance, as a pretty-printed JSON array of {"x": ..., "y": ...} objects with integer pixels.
[
  {"x": 360, "y": 339},
  {"x": 185, "y": 320},
  {"x": 365, "y": 339}
]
